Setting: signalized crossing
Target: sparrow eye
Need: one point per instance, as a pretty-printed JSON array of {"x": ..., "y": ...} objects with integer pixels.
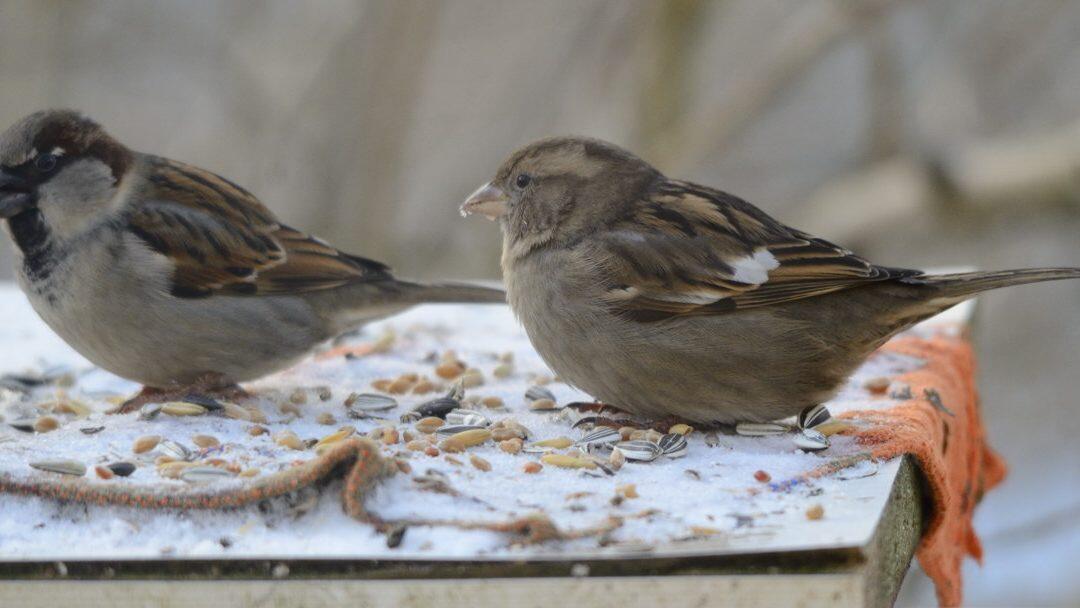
[
  {"x": 523, "y": 180},
  {"x": 45, "y": 162}
]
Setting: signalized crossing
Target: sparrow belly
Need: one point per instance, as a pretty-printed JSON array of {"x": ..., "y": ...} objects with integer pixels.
[
  {"x": 123, "y": 319},
  {"x": 753, "y": 365}
]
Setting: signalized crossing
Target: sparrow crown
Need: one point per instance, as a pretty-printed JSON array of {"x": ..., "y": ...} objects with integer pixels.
[{"x": 65, "y": 135}]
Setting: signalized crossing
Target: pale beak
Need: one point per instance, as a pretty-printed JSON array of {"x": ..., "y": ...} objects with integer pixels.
[{"x": 488, "y": 200}]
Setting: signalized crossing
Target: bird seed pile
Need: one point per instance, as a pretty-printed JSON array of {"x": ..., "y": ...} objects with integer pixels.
[{"x": 472, "y": 428}]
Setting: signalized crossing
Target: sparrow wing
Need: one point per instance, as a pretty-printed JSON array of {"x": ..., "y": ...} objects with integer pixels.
[
  {"x": 221, "y": 239},
  {"x": 692, "y": 250}
]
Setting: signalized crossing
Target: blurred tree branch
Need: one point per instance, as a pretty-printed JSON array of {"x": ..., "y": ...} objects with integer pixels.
[
  {"x": 819, "y": 26},
  {"x": 983, "y": 176},
  {"x": 885, "y": 95},
  {"x": 666, "y": 93}
]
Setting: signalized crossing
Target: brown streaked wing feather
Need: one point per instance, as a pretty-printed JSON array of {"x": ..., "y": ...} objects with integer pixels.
[
  {"x": 221, "y": 239},
  {"x": 312, "y": 265},
  {"x": 678, "y": 256}
]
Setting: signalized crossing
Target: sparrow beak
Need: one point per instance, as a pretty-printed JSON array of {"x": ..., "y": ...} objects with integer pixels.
[
  {"x": 488, "y": 200},
  {"x": 16, "y": 195}
]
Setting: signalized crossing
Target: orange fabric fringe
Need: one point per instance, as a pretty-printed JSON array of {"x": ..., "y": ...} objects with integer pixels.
[{"x": 942, "y": 428}]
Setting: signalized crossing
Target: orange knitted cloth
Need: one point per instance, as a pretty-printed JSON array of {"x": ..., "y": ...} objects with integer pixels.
[{"x": 942, "y": 428}]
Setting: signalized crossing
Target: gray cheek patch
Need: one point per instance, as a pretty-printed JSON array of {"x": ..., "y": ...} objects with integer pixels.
[{"x": 71, "y": 199}]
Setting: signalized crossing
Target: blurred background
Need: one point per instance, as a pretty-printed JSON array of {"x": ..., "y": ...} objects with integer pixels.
[{"x": 917, "y": 132}]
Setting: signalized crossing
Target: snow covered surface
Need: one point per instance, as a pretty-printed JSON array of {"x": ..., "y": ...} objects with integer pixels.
[{"x": 710, "y": 510}]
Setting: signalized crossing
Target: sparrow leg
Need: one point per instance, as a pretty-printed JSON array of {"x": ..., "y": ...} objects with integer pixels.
[{"x": 210, "y": 385}]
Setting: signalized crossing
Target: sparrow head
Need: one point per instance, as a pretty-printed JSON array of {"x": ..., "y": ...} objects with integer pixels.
[
  {"x": 561, "y": 190},
  {"x": 61, "y": 164}
]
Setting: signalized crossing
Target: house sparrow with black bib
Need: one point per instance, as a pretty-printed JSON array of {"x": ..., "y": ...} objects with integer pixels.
[
  {"x": 665, "y": 298},
  {"x": 172, "y": 276}
]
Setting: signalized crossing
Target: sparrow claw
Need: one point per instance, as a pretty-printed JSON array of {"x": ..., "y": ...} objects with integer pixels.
[
  {"x": 596, "y": 407},
  {"x": 603, "y": 421},
  {"x": 206, "y": 392}
]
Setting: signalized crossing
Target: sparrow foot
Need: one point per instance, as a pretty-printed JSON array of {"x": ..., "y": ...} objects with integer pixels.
[
  {"x": 211, "y": 386},
  {"x": 603, "y": 415},
  {"x": 595, "y": 421},
  {"x": 595, "y": 407},
  {"x": 662, "y": 425}
]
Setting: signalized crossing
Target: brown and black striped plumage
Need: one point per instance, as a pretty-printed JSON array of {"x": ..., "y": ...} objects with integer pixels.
[
  {"x": 675, "y": 256},
  {"x": 664, "y": 297},
  {"x": 169, "y": 275},
  {"x": 223, "y": 240}
]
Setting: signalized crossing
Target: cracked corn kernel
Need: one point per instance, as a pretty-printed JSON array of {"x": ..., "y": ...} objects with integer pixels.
[
  {"x": 71, "y": 406},
  {"x": 617, "y": 459},
  {"x": 472, "y": 378},
  {"x": 289, "y": 440},
  {"x": 479, "y": 463},
  {"x": 423, "y": 387},
  {"x": 450, "y": 371},
  {"x": 512, "y": 445},
  {"x": 145, "y": 443},
  {"x": 46, "y": 424},
  {"x": 256, "y": 415},
  {"x": 205, "y": 441},
  {"x": 400, "y": 386},
  {"x": 877, "y": 385},
  {"x": 336, "y": 436},
  {"x": 429, "y": 424}
]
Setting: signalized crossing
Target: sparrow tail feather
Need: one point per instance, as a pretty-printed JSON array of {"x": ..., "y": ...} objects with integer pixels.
[
  {"x": 968, "y": 284},
  {"x": 452, "y": 293}
]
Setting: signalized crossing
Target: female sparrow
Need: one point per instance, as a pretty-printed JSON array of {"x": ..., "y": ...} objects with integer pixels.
[
  {"x": 171, "y": 276},
  {"x": 667, "y": 298}
]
